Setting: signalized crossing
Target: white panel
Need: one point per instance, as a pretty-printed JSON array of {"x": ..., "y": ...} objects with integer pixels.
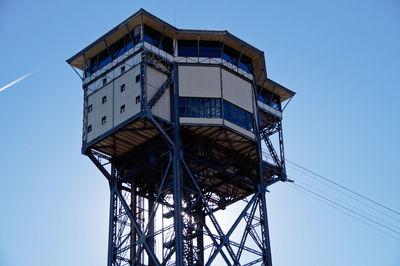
[
  {"x": 199, "y": 81},
  {"x": 200, "y": 120},
  {"x": 127, "y": 97},
  {"x": 269, "y": 109},
  {"x": 155, "y": 79},
  {"x": 99, "y": 110},
  {"x": 237, "y": 90}
]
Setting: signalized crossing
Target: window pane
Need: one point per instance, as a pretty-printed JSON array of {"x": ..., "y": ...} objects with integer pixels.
[
  {"x": 151, "y": 36},
  {"x": 246, "y": 64},
  {"x": 187, "y": 48},
  {"x": 238, "y": 116},
  {"x": 167, "y": 45},
  {"x": 270, "y": 98},
  {"x": 209, "y": 49},
  {"x": 230, "y": 55},
  {"x": 104, "y": 58},
  {"x": 199, "y": 107}
]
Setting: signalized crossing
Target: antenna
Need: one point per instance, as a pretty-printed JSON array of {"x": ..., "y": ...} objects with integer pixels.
[{"x": 173, "y": 2}]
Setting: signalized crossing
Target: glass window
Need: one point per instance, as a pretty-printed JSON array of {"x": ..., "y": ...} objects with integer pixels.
[
  {"x": 187, "y": 48},
  {"x": 117, "y": 48},
  {"x": 200, "y": 107},
  {"x": 212, "y": 108},
  {"x": 122, "y": 69},
  {"x": 230, "y": 55},
  {"x": 151, "y": 36},
  {"x": 89, "y": 128},
  {"x": 122, "y": 87},
  {"x": 238, "y": 116},
  {"x": 167, "y": 45},
  {"x": 128, "y": 42},
  {"x": 246, "y": 64},
  {"x": 157, "y": 39},
  {"x": 104, "y": 99},
  {"x": 104, "y": 58},
  {"x": 103, "y": 120},
  {"x": 137, "y": 78},
  {"x": 269, "y": 98},
  {"x": 210, "y": 49},
  {"x": 90, "y": 108},
  {"x": 122, "y": 109}
]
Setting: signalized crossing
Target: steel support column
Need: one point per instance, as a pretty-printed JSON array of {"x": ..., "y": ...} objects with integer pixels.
[{"x": 177, "y": 178}]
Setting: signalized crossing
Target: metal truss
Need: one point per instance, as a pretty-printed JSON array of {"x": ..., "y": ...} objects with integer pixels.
[{"x": 166, "y": 195}]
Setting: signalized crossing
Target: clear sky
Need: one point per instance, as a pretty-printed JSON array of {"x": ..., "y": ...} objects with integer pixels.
[{"x": 341, "y": 57}]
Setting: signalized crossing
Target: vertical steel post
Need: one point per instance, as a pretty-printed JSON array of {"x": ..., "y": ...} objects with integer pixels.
[
  {"x": 200, "y": 238},
  {"x": 133, "y": 231},
  {"x": 112, "y": 218},
  {"x": 177, "y": 175},
  {"x": 150, "y": 233},
  {"x": 267, "y": 260}
]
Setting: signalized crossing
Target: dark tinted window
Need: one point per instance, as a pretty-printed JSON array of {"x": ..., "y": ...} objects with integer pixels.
[
  {"x": 200, "y": 107},
  {"x": 187, "y": 48},
  {"x": 230, "y": 55},
  {"x": 246, "y": 64},
  {"x": 167, "y": 45},
  {"x": 210, "y": 49},
  {"x": 269, "y": 98},
  {"x": 104, "y": 58},
  {"x": 154, "y": 38},
  {"x": 151, "y": 36},
  {"x": 116, "y": 50},
  {"x": 238, "y": 116}
]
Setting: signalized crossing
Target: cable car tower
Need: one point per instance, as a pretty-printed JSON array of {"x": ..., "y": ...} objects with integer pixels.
[{"x": 186, "y": 127}]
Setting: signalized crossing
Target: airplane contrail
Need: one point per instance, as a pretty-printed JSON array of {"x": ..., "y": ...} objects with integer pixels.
[{"x": 18, "y": 80}]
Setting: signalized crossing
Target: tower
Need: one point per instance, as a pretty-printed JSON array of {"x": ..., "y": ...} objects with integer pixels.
[{"x": 185, "y": 126}]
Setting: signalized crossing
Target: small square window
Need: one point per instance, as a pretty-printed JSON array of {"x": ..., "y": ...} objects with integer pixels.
[
  {"x": 104, "y": 81},
  {"x": 137, "y": 78},
  {"x": 104, "y": 120},
  {"x": 122, "y": 87},
  {"x": 122, "y": 69},
  {"x": 89, "y": 128},
  {"x": 90, "y": 108},
  {"x": 138, "y": 99},
  {"x": 104, "y": 99},
  {"x": 122, "y": 108}
]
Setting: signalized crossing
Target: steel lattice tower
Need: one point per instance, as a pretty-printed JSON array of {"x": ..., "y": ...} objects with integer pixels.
[{"x": 183, "y": 124}]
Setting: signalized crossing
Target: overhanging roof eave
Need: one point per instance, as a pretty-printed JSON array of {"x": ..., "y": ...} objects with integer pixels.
[{"x": 116, "y": 28}]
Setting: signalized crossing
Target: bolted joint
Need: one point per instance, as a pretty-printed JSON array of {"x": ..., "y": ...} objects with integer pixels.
[{"x": 225, "y": 240}]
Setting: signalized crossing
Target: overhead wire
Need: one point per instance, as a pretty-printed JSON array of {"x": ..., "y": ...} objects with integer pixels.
[
  {"x": 322, "y": 178},
  {"x": 346, "y": 213},
  {"x": 373, "y": 207},
  {"x": 348, "y": 209},
  {"x": 345, "y": 188},
  {"x": 347, "y": 204}
]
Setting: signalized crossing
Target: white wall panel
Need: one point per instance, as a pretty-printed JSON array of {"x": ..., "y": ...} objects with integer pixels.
[
  {"x": 127, "y": 97},
  {"x": 155, "y": 79},
  {"x": 99, "y": 110},
  {"x": 199, "y": 81},
  {"x": 237, "y": 90}
]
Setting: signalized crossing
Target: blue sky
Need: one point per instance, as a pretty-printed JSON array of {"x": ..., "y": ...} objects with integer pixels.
[{"x": 341, "y": 57}]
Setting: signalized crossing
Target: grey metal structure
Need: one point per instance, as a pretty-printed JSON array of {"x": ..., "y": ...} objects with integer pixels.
[{"x": 183, "y": 124}]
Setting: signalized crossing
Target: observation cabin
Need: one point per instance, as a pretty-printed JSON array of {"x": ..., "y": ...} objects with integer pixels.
[
  {"x": 187, "y": 114},
  {"x": 221, "y": 82}
]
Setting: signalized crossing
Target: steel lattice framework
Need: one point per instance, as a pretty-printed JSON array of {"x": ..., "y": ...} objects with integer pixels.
[{"x": 166, "y": 195}]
